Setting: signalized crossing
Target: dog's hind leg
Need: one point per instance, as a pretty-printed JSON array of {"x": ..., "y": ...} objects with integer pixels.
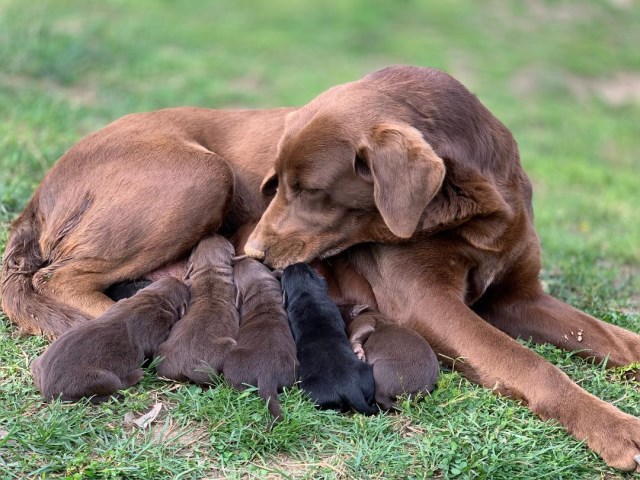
[
  {"x": 544, "y": 319},
  {"x": 150, "y": 213}
]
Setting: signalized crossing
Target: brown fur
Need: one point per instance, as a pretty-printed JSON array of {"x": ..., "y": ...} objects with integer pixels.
[
  {"x": 265, "y": 355},
  {"x": 99, "y": 358},
  {"x": 128, "y": 200},
  {"x": 403, "y": 361},
  {"x": 198, "y": 345},
  {"x": 141, "y": 192}
]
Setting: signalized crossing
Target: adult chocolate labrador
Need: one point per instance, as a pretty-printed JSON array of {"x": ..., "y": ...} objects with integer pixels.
[{"x": 405, "y": 158}]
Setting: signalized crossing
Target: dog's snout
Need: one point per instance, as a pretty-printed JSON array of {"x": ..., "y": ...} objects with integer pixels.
[
  {"x": 254, "y": 251},
  {"x": 254, "y": 247}
]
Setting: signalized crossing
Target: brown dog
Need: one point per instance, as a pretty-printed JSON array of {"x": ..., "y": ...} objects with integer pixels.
[
  {"x": 99, "y": 358},
  {"x": 198, "y": 345},
  {"x": 265, "y": 355},
  {"x": 409, "y": 159},
  {"x": 406, "y": 158},
  {"x": 403, "y": 361}
]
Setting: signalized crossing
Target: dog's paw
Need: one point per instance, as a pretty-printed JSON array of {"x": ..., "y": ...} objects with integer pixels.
[{"x": 617, "y": 441}]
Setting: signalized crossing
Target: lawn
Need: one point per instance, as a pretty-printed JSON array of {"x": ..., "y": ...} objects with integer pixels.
[{"x": 563, "y": 76}]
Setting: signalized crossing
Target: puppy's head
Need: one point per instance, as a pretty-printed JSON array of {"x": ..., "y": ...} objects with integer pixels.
[
  {"x": 174, "y": 291},
  {"x": 212, "y": 251},
  {"x": 345, "y": 173},
  {"x": 299, "y": 278}
]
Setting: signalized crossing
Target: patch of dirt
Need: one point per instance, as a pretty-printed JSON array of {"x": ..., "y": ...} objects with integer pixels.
[
  {"x": 622, "y": 4},
  {"x": 558, "y": 11},
  {"x": 83, "y": 94},
  {"x": 297, "y": 469},
  {"x": 621, "y": 88},
  {"x": 617, "y": 89},
  {"x": 532, "y": 14}
]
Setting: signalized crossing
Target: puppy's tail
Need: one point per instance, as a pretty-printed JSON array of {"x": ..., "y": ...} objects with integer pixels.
[
  {"x": 269, "y": 393},
  {"x": 360, "y": 405},
  {"x": 32, "y": 311}
]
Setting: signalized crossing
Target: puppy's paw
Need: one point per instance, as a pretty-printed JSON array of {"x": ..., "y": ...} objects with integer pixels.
[{"x": 359, "y": 351}]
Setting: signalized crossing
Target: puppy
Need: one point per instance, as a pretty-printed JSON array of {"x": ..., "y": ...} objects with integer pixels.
[
  {"x": 403, "y": 361},
  {"x": 265, "y": 355},
  {"x": 98, "y": 358},
  {"x": 330, "y": 372},
  {"x": 198, "y": 345}
]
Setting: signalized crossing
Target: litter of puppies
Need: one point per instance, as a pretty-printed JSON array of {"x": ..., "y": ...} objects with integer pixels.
[{"x": 245, "y": 325}]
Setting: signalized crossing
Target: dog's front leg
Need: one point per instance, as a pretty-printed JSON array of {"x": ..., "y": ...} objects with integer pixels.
[{"x": 489, "y": 357}]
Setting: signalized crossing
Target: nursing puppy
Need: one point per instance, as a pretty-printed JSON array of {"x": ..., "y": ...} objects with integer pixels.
[
  {"x": 402, "y": 361},
  {"x": 98, "y": 358},
  {"x": 330, "y": 372},
  {"x": 265, "y": 355},
  {"x": 198, "y": 345}
]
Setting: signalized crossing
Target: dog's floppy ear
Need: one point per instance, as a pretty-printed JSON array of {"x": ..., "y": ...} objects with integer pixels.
[
  {"x": 405, "y": 171},
  {"x": 269, "y": 184}
]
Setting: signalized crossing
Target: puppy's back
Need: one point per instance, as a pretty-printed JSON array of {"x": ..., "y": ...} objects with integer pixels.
[
  {"x": 256, "y": 287},
  {"x": 311, "y": 312},
  {"x": 330, "y": 372},
  {"x": 403, "y": 361},
  {"x": 97, "y": 356}
]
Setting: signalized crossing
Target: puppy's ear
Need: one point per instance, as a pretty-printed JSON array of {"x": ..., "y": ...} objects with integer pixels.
[
  {"x": 237, "y": 258},
  {"x": 406, "y": 174},
  {"x": 357, "y": 310},
  {"x": 187, "y": 273},
  {"x": 269, "y": 184},
  {"x": 238, "y": 299}
]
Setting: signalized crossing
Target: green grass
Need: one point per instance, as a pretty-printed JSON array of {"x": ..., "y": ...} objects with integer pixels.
[{"x": 69, "y": 68}]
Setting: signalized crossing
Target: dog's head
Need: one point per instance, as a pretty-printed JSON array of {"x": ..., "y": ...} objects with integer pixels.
[{"x": 348, "y": 170}]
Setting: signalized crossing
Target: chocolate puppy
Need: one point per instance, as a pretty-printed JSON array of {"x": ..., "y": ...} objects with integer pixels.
[
  {"x": 403, "y": 361},
  {"x": 265, "y": 355},
  {"x": 330, "y": 372},
  {"x": 198, "y": 345},
  {"x": 97, "y": 358}
]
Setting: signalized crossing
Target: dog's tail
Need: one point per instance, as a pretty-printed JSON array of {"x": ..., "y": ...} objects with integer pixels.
[
  {"x": 32, "y": 311},
  {"x": 269, "y": 393}
]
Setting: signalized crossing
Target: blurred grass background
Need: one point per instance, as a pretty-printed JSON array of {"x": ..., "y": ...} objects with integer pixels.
[{"x": 564, "y": 76}]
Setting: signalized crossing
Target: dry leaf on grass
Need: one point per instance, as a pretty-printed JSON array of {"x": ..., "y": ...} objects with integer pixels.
[{"x": 145, "y": 420}]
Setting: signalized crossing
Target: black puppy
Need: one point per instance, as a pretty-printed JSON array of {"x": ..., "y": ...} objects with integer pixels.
[
  {"x": 99, "y": 357},
  {"x": 330, "y": 372},
  {"x": 128, "y": 288}
]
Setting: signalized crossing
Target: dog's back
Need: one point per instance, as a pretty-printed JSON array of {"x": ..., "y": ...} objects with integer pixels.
[
  {"x": 330, "y": 372},
  {"x": 104, "y": 355}
]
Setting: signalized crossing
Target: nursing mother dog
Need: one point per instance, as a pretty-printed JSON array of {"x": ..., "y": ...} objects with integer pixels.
[{"x": 404, "y": 168}]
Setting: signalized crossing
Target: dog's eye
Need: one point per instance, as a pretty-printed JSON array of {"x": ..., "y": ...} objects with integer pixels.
[
  {"x": 361, "y": 168},
  {"x": 270, "y": 187}
]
